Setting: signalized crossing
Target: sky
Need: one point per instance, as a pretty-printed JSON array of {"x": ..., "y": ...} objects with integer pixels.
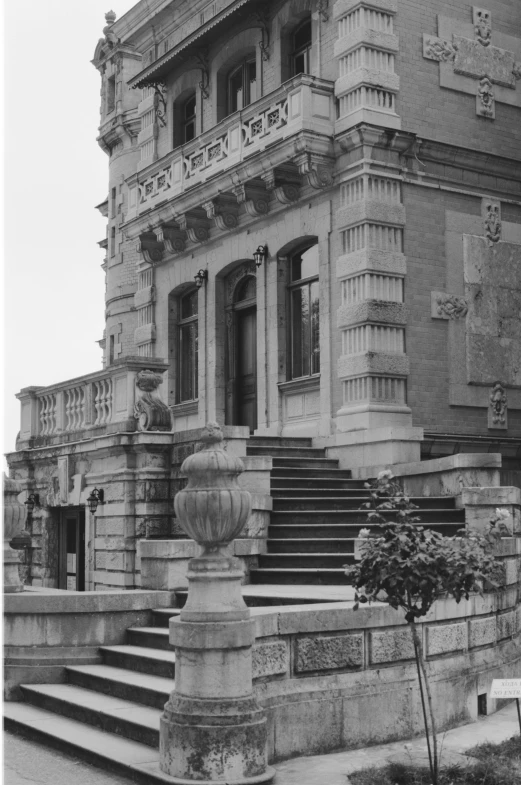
[{"x": 54, "y": 175}]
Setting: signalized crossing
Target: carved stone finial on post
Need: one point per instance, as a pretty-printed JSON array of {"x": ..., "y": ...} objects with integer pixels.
[
  {"x": 151, "y": 413},
  {"x": 212, "y": 729},
  {"x": 14, "y": 514}
]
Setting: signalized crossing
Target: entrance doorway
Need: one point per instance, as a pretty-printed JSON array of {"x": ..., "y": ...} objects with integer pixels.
[
  {"x": 241, "y": 382},
  {"x": 71, "y": 574}
]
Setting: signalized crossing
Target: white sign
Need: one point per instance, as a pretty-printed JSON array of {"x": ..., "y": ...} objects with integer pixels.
[{"x": 506, "y": 688}]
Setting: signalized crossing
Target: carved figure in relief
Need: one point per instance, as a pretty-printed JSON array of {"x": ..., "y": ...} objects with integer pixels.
[
  {"x": 452, "y": 306},
  {"x": 149, "y": 410},
  {"x": 486, "y": 97},
  {"x": 482, "y": 26},
  {"x": 438, "y": 49},
  {"x": 498, "y": 404},
  {"x": 492, "y": 224}
]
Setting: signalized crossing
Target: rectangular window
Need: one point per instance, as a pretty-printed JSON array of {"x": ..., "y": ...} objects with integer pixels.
[
  {"x": 113, "y": 203},
  {"x": 113, "y": 242},
  {"x": 305, "y": 313},
  {"x": 111, "y": 93},
  {"x": 188, "y": 356}
]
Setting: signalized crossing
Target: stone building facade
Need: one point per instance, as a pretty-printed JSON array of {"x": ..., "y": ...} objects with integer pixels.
[{"x": 313, "y": 230}]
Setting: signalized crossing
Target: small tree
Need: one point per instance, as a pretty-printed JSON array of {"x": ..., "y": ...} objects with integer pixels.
[{"x": 409, "y": 567}]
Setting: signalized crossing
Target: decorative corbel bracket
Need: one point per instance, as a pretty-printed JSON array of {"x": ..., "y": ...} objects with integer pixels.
[
  {"x": 202, "y": 58},
  {"x": 151, "y": 413},
  {"x": 285, "y": 193},
  {"x": 222, "y": 214},
  {"x": 159, "y": 102},
  {"x": 256, "y": 201},
  {"x": 151, "y": 249},
  {"x": 195, "y": 228},
  {"x": 173, "y": 238},
  {"x": 322, "y": 7},
  {"x": 318, "y": 173}
]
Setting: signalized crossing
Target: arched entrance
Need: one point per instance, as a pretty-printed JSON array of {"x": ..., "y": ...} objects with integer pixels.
[{"x": 241, "y": 347}]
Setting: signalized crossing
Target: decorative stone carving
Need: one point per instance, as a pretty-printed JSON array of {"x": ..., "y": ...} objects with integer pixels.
[
  {"x": 485, "y": 105},
  {"x": 257, "y": 207},
  {"x": 449, "y": 306},
  {"x": 492, "y": 221},
  {"x": 151, "y": 413},
  {"x": 498, "y": 407},
  {"x": 437, "y": 49},
  {"x": 173, "y": 238},
  {"x": 233, "y": 279},
  {"x": 14, "y": 514},
  {"x": 150, "y": 248},
  {"x": 319, "y": 174},
  {"x": 482, "y": 20},
  {"x": 196, "y": 230},
  {"x": 286, "y": 194}
]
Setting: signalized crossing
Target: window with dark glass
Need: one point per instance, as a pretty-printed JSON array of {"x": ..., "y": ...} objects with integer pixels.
[
  {"x": 242, "y": 86},
  {"x": 300, "y": 58},
  {"x": 187, "y": 347},
  {"x": 304, "y": 313},
  {"x": 189, "y": 115}
]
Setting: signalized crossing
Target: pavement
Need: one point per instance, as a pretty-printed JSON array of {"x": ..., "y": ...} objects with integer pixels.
[{"x": 29, "y": 763}]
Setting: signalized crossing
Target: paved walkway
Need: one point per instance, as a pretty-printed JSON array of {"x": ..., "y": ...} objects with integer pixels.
[{"x": 30, "y": 763}]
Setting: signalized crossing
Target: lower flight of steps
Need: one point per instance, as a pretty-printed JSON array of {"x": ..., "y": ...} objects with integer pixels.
[{"x": 316, "y": 515}]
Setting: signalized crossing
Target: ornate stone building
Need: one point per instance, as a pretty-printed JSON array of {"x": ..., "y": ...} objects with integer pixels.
[{"x": 313, "y": 230}]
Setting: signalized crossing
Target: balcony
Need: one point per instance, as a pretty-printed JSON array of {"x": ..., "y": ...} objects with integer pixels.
[
  {"x": 108, "y": 401},
  {"x": 271, "y": 144}
]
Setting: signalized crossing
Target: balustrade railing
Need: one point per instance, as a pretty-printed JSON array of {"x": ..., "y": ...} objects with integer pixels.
[
  {"x": 92, "y": 401},
  {"x": 303, "y": 103}
]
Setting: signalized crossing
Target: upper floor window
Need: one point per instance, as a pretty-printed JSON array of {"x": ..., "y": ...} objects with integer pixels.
[
  {"x": 304, "y": 310},
  {"x": 242, "y": 86},
  {"x": 187, "y": 333},
  {"x": 301, "y": 54},
  {"x": 111, "y": 93},
  {"x": 189, "y": 118}
]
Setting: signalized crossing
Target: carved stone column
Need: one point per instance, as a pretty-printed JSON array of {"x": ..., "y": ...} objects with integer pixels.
[
  {"x": 213, "y": 729},
  {"x": 14, "y": 514}
]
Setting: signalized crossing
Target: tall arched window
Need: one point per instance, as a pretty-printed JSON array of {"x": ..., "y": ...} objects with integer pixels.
[
  {"x": 304, "y": 313},
  {"x": 187, "y": 332},
  {"x": 188, "y": 119},
  {"x": 242, "y": 85},
  {"x": 301, "y": 52}
]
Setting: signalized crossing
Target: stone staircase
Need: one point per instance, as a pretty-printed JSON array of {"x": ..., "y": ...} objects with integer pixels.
[{"x": 316, "y": 515}]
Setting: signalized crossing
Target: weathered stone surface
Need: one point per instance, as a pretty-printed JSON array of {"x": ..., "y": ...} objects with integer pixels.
[
  {"x": 506, "y": 625},
  {"x": 339, "y": 651},
  {"x": 482, "y": 632},
  {"x": 473, "y": 59},
  {"x": 391, "y": 646},
  {"x": 446, "y": 637},
  {"x": 510, "y": 571},
  {"x": 269, "y": 659}
]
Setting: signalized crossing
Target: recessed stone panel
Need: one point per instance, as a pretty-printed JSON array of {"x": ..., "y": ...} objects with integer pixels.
[
  {"x": 320, "y": 654},
  {"x": 270, "y": 659},
  {"x": 506, "y": 625},
  {"x": 445, "y": 638},
  {"x": 482, "y": 632},
  {"x": 391, "y": 646}
]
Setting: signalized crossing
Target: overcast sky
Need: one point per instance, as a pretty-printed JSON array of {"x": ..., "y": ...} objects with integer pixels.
[{"x": 55, "y": 174}]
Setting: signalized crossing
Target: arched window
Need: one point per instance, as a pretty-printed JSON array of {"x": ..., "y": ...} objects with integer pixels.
[
  {"x": 187, "y": 335},
  {"x": 188, "y": 118},
  {"x": 301, "y": 50},
  {"x": 304, "y": 313},
  {"x": 242, "y": 86}
]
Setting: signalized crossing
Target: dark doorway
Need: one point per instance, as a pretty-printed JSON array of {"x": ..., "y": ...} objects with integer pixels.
[
  {"x": 241, "y": 350},
  {"x": 71, "y": 574}
]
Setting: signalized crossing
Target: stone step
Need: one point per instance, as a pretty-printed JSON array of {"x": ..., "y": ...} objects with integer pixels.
[
  {"x": 315, "y": 473},
  {"x": 294, "y": 560},
  {"x": 334, "y": 577},
  {"x": 138, "y": 762},
  {"x": 149, "y": 637},
  {"x": 278, "y": 441},
  {"x": 156, "y": 662},
  {"x": 262, "y": 601},
  {"x": 286, "y": 452},
  {"x": 339, "y": 530},
  {"x": 305, "y": 463},
  {"x": 122, "y": 683},
  {"x": 113, "y": 715},
  {"x": 325, "y": 516},
  {"x": 312, "y": 545},
  {"x": 285, "y": 503},
  {"x": 161, "y": 616},
  {"x": 315, "y": 481}
]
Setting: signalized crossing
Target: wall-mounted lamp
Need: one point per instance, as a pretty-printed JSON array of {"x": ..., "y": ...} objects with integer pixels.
[
  {"x": 260, "y": 255},
  {"x": 200, "y": 278},
  {"x": 33, "y": 500},
  {"x": 96, "y": 497}
]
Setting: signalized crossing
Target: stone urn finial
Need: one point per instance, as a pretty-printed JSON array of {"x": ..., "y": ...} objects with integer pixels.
[{"x": 212, "y": 509}]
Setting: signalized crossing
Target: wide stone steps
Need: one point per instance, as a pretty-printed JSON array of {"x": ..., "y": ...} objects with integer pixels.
[
  {"x": 299, "y": 576},
  {"x": 156, "y": 662},
  {"x": 122, "y": 683},
  {"x": 111, "y": 714},
  {"x": 349, "y": 502},
  {"x": 339, "y": 530},
  {"x": 149, "y": 637},
  {"x": 356, "y": 516},
  {"x": 287, "y": 452},
  {"x": 279, "y": 561},
  {"x": 305, "y": 463},
  {"x": 312, "y": 545}
]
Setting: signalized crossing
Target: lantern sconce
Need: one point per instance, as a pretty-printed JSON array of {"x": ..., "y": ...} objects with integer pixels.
[
  {"x": 96, "y": 497},
  {"x": 33, "y": 500},
  {"x": 200, "y": 278},
  {"x": 260, "y": 255}
]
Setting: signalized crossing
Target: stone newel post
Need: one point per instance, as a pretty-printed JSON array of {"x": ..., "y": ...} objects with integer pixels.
[
  {"x": 213, "y": 729},
  {"x": 14, "y": 515}
]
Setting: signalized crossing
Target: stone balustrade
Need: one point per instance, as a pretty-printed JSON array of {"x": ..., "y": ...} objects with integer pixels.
[{"x": 115, "y": 398}]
